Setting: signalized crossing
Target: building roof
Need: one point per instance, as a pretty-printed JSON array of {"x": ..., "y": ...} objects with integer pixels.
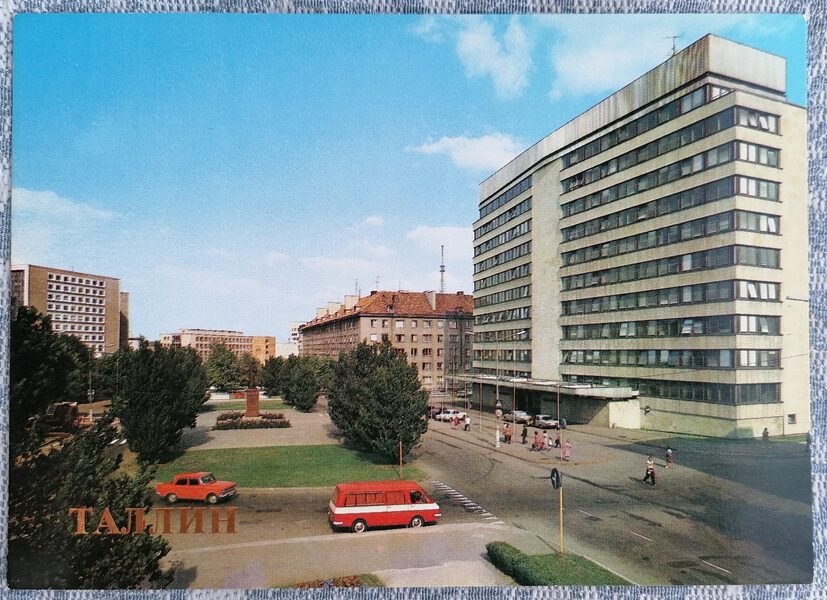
[{"x": 401, "y": 303}]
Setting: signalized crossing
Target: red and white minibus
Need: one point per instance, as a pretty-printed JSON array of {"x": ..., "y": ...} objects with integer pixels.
[{"x": 360, "y": 505}]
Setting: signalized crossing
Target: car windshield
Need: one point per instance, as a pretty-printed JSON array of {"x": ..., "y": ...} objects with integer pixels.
[{"x": 208, "y": 478}]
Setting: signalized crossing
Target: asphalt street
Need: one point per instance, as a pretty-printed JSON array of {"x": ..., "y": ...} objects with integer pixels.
[{"x": 726, "y": 513}]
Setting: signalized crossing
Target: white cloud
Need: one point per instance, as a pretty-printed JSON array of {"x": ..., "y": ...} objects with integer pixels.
[
  {"x": 507, "y": 61},
  {"x": 367, "y": 247},
  {"x": 485, "y": 153},
  {"x": 374, "y": 221},
  {"x": 429, "y": 28},
  {"x": 50, "y": 206},
  {"x": 458, "y": 242},
  {"x": 336, "y": 264},
  {"x": 276, "y": 258},
  {"x": 598, "y": 54}
]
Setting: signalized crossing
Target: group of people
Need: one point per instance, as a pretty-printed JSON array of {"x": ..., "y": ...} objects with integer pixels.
[
  {"x": 466, "y": 422},
  {"x": 650, "y": 466}
]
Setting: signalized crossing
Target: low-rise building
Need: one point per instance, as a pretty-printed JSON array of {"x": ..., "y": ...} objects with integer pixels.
[{"x": 202, "y": 340}]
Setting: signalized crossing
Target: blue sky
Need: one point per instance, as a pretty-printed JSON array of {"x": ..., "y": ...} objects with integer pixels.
[{"x": 237, "y": 171}]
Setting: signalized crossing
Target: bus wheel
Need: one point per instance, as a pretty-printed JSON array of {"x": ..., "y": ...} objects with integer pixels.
[
  {"x": 417, "y": 521},
  {"x": 359, "y": 526}
]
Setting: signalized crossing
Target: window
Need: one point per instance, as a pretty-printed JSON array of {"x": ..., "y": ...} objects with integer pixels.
[
  {"x": 414, "y": 351},
  {"x": 399, "y": 324},
  {"x": 374, "y": 337},
  {"x": 384, "y": 322},
  {"x": 426, "y": 324},
  {"x": 791, "y": 419},
  {"x": 426, "y": 352},
  {"x": 413, "y": 323},
  {"x": 400, "y": 338},
  {"x": 414, "y": 337}
]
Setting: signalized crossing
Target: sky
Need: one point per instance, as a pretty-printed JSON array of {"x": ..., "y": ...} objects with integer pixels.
[{"x": 239, "y": 171}]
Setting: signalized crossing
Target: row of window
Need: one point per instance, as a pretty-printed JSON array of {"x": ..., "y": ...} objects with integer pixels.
[
  {"x": 684, "y": 263},
  {"x": 692, "y": 359},
  {"x": 503, "y": 277},
  {"x": 504, "y": 355},
  {"x": 75, "y": 289},
  {"x": 722, "y": 154},
  {"x": 502, "y": 335},
  {"x": 77, "y": 318},
  {"x": 524, "y": 291},
  {"x": 413, "y": 323},
  {"x": 512, "y": 192},
  {"x": 697, "y": 196},
  {"x": 503, "y": 316},
  {"x": 72, "y": 327},
  {"x": 642, "y": 124},
  {"x": 698, "y": 228},
  {"x": 677, "y": 139},
  {"x": 427, "y": 338},
  {"x": 713, "y": 325},
  {"x": 503, "y": 238},
  {"x": 503, "y": 257},
  {"x": 715, "y": 291},
  {"x": 718, "y": 393},
  {"x": 512, "y": 213},
  {"x": 73, "y": 279},
  {"x": 72, "y": 308}
]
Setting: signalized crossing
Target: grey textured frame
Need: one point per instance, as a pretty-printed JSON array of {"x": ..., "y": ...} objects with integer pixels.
[{"x": 815, "y": 13}]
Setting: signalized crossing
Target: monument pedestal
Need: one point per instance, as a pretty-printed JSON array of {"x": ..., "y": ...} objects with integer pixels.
[{"x": 251, "y": 397}]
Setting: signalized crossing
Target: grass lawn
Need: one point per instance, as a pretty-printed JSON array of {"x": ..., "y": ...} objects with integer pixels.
[
  {"x": 286, "y": 466},
  {"x": 241, "y": 405}
]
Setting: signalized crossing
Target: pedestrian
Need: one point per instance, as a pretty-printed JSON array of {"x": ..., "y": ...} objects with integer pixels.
[
  {"x": 509, "y": 432},
  {"x": 455, "y": 422},
  {"x": 524, "y": 434},
  {"x": 546, "y": 443},
  {"x": 567, "y": 450},
  {"x": 669, "y": 457},
  {"x": 557, "y": 440},
  {"x": 467, "y": 423},
  {"x": 650, "y": 470},
  {"x": 538, "y": 442},
  {"x": 765, "y": 435}
]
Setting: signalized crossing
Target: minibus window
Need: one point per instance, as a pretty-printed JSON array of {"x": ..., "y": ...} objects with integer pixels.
[
  {"x": 350, "y": 500},
  {"x": 417, "y": 497},
  {"x": 396, "y": 498}
]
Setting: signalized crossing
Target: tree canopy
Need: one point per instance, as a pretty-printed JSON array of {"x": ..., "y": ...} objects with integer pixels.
[
  {"x": 223, "y": 371},
  {"x": 250, "y": 370},
  {"x": 302, "y": 389},
  {"x": 376, "y": 400},
  {"x": 160, "y": 391}
]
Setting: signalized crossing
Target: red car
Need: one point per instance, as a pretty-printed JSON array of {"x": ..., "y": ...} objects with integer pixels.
[{"x": 196, "y": 486}]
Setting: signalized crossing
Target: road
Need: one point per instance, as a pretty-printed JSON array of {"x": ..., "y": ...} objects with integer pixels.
[{"x": 727, "y": 513}]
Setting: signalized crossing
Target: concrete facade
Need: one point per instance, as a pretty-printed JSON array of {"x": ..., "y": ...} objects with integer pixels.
[
  {"x": 202, "y": 340},
  {"x": 88, "y": 306},
  {"x": 664, "y": 248}
]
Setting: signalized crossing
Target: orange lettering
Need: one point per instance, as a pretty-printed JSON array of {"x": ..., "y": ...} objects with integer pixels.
[
  {"x": 165, "y": 513},
  {"x": 107, "y": 525},
  {"x": 80, "y": 527},
  {"x": 136, "y": 520},
  {"x": 185, "y": 522},
  {"x": 229, "y": 519}
]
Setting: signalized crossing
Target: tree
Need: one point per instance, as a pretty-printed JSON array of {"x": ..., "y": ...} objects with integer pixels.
[
  {"x": 286, "y": 375},
  {"x": 43, "y": 369},
  {"x": 250, "y": 369},
  {"x": 272, "y": 376},
  {"x": 302, "y": 391},
  {"x": 376, "y": 400},
  {"x": 160, "y": 392},
  {"x": 82, "y": 472},
  {"x": 222, "y": 368}
]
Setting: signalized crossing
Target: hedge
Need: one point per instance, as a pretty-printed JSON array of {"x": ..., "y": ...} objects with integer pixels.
[
  {"x": 266, "y": 420},
  {"x": 555, "y": 569}
]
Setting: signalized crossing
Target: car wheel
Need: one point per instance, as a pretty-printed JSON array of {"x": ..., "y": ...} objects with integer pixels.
[
  {"x": 172, "y": 498},
  {"x": 359, "y": 526},
  {"x": 417, "y": 521},
  {"x": 212, "y": 499}
]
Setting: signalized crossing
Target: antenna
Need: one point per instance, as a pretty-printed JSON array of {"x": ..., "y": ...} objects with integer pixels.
[
  {"x": 442, "y": 270},
  {"x": 356, "y": 287},
  {"x": 377, "y": 283},
  {"x": 673, "y": 38}
]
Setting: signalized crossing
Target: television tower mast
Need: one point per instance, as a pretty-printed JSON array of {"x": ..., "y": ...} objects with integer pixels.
[{"x": 442, "y": 270}]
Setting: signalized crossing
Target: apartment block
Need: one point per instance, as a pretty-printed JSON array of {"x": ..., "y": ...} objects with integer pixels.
[
  {"x": 90, "y": 307},
  {"x": 658, "y": 242},
  {"x": 433, "y": 330},
  {"x": 202, "y": 340}
]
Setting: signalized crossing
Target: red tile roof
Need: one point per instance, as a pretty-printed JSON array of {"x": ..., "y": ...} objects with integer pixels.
[{"x": 410, "y": 304}]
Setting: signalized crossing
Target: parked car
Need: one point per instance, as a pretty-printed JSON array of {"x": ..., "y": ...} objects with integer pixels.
[
  {"x": 518, "y": 416},
  {"x": 546, "y": 422},
  {"x": 464, "y": 393},
  {"x": 360, "y": 505},
  {"x": 448, "y": 414},
  {"x": 200, "y": 485}
]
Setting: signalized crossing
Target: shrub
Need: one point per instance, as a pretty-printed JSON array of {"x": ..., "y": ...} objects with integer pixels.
[
  {"x": 505, "y": 557},
  {"x": 252, "y": 423}
]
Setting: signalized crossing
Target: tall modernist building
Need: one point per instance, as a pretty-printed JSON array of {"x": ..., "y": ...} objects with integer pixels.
[
  {"x": 432, "y": 329},
  {"x": 659, "y": 241},
  {"x": 91, "y": 307}
]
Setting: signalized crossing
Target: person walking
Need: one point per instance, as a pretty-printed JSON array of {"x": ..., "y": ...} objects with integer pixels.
[
  {"x": 650, "y": 470},
  {"x": 567, "y": 450},
  {"x": 557, "y": 440},
  {"x": 538, "y": 441},
  {"x": 765, "y": 435},
  {"x": 669, "y": 457},
  {"x": 546, "y": 443},
  {"x": 524, "y": 434},
  {"x": 467, "y": 423}
]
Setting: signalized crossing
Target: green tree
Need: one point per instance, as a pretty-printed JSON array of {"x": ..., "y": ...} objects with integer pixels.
[
  {"x": 222, "y": 368},
  {"x": 272, "y": 376},
  {"x": 82, "y": 472},
  {"x": 302, "y": 390},
  {"x": 42, "y": 369},
  {"x": 160, "y": 392},
  {"x": 286, "y": 374},
  {"x": 250, "y": 370},
  {"x": 376, "y": 399}
]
